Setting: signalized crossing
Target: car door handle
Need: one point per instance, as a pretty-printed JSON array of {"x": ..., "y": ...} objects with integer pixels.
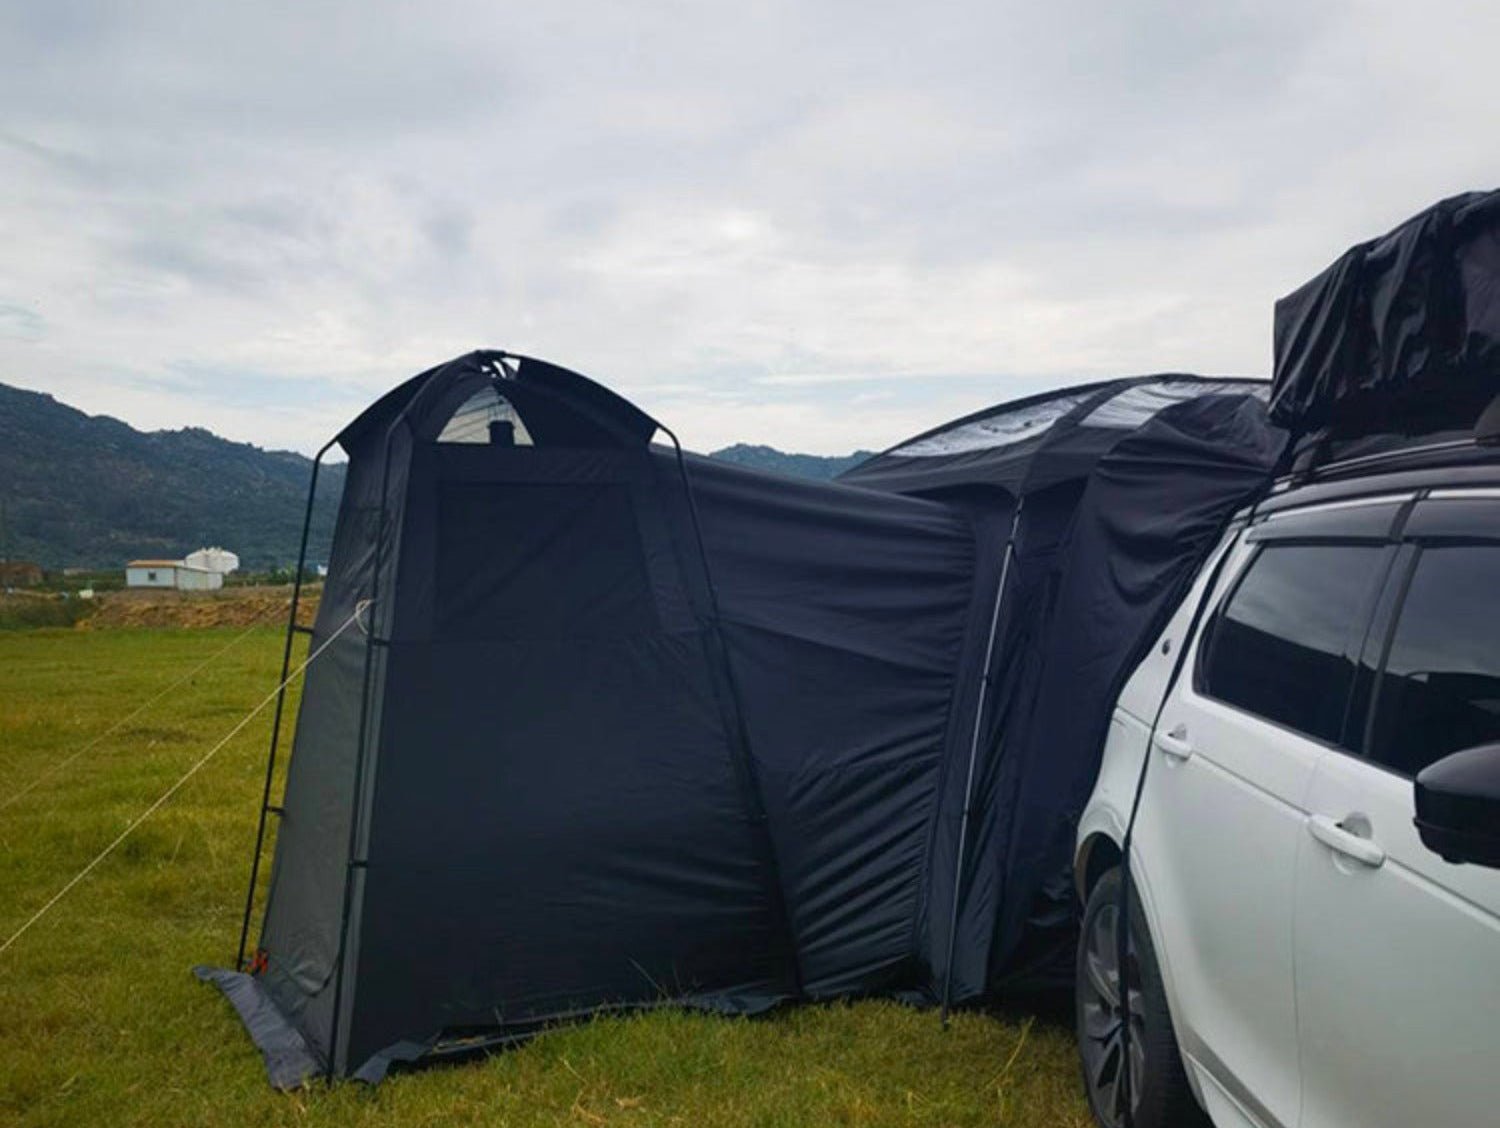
[
  {"x": 1174, "y": 745},
  {"x": 1345, "y": 842}
]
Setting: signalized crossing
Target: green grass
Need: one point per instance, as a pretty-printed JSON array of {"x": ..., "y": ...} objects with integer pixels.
[{"x": 102, "y": 1024}]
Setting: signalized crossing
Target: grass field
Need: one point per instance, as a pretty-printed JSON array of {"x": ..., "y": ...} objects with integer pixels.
[{"x": 101, "y": 1022}]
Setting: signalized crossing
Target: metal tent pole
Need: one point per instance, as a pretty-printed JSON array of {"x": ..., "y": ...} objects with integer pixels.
[
  {"x": 435, "y": 378},
  {"x": 352, "y": 862},
  {"x": 984, "y": 688},
  {"x": 750, "y": 781},
  {"x": 286, "y": 664}
]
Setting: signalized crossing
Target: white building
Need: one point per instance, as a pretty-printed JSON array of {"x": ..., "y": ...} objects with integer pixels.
[
  {"x": 177, "y": 574},
  {"x": 215, "y": 559}
]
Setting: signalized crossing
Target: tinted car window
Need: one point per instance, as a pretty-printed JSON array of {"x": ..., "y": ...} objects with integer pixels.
[
  {"x": 1440, "y": 691},
  {"x": 1281, "y": 646}
]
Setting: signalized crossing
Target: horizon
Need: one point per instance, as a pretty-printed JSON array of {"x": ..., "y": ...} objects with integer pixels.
[{"x": 336, "y": 455}]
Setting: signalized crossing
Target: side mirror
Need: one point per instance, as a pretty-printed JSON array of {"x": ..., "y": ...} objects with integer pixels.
[{"x": 1458, "y": 806}]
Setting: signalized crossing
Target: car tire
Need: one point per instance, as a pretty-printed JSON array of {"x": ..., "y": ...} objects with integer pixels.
[{"x": 1161, "y": 1094}]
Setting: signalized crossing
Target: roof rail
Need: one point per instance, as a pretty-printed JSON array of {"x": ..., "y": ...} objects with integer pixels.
[{"x": 1308, "y": 469}]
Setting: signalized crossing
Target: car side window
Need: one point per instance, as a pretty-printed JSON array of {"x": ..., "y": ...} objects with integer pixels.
[
  {"x": 1439, "y": 691},
  {"x": 1281, "y": 647}
]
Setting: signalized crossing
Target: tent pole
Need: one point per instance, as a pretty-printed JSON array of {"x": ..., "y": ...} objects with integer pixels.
[
  {"x": 359, "y": 764},
  {"x": 286, "y": 663},
  {"x": 353, "y": 862},
  {"x": 984, "y": 687},
  {"x": 782, "y": 919}
]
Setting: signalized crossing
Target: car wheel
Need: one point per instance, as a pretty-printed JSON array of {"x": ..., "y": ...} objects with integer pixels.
[{"x": 1160, "y": 1094}]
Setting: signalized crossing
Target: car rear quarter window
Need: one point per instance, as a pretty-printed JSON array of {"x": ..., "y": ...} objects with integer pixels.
[
  {"x": 1439, "y": 691},
  {"x": 1281, "y": 646}
]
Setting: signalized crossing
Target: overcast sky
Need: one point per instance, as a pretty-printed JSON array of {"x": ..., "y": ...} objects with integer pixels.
[{"x": 817, "y": 225}]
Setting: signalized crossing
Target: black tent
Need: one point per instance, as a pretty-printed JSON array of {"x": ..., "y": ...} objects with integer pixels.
[
  {"x": 1401, "y": 332},
  {"x": 598, "y": 724},
  {"x": 1093, "y": 506}
]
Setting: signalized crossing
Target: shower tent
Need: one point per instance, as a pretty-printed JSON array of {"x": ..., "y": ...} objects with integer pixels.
[{"x": 598, "y": 724}]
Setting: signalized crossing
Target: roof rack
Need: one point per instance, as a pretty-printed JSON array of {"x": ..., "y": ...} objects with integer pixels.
[{"x": 1308, "y": 465}]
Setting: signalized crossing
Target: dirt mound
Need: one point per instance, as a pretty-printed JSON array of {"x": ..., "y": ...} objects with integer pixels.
[{"x": 230, "y": 607}]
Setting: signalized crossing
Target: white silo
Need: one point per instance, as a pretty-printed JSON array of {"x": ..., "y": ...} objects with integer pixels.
[{"x": 216, "y": 559}]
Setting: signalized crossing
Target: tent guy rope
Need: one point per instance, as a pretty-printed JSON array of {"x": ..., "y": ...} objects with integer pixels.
[
  {"x": 62, "y": 764},
  {"x": 192, "y": 771}
]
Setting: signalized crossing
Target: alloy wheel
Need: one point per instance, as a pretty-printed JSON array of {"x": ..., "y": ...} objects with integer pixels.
[{"x": 1103, "y": 1018}]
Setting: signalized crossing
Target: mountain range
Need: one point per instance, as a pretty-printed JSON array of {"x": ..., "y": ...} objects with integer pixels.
[
  {"x": 822, "y": 467},
  {"x": 79, "y": 490}
]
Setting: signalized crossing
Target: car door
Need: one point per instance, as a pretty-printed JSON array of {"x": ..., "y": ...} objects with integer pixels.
[
  {"x": 1398, "y": 951},
  {"x": 1223, "y": 814}
]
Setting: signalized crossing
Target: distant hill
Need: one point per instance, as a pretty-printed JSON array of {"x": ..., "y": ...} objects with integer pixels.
[
  {"x": 81, "y": 490},
  {"x": 818, "y": 466},
  {"x": 91, "y": 491}
]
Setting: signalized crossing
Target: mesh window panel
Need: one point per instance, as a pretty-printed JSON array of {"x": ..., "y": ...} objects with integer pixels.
[
  {"x": 540, "y": 561},
  {"x": 1135, "y": 405},
  {"x": 994, "y": 431}
]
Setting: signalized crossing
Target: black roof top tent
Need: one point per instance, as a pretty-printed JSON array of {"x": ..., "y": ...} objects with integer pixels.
[
  {"x": 599, "y": 724},
  {"x": 1401, "y": 334}
]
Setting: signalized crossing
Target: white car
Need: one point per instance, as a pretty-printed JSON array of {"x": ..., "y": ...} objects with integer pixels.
[{"x": 1305, "y": 950}]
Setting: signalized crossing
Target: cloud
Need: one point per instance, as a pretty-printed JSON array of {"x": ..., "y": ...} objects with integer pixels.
[
  {"x": 17, "y": 323},
  {"x": 823, "y": 226}
]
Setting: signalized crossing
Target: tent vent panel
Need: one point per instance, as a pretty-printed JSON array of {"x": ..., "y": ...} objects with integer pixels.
[{"x": 486, "y": 417}]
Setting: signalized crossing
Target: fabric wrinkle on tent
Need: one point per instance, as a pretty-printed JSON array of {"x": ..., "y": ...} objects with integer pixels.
[{"x": 1402, "y": 330}]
